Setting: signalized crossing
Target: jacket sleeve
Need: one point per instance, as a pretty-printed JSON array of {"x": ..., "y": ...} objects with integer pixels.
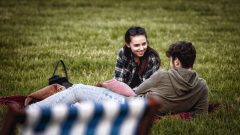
[
  {"x": 149, "y": 83},
  {"x": 119, "y": 70},
  {"x": 202, "y": 105}
]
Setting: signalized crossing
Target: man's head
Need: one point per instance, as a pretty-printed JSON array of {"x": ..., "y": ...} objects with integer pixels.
[{"x": 182, "y": 54}]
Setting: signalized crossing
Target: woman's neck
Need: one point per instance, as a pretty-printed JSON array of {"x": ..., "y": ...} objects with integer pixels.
[{"x": 137, "y": 60}]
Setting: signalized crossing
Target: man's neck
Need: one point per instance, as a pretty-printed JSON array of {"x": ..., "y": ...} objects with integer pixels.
[{"x": 189, "y": 69}]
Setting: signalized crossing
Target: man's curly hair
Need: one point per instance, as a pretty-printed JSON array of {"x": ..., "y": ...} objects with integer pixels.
[{"x": 184, "y": 51}]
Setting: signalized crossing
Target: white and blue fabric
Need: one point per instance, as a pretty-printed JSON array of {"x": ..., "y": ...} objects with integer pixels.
[{"x": 86, "y": 118}]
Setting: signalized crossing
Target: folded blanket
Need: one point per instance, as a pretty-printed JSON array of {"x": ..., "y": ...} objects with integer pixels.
[{"x": 43, "y": 93}]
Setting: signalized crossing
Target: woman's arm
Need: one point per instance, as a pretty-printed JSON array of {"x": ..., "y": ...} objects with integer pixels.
[{"x": 119, "y": 70}]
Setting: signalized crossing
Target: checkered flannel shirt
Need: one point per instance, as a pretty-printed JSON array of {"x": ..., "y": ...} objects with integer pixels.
[{"x": 124, "y": 71}]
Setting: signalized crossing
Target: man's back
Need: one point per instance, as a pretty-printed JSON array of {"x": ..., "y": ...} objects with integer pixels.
[{"x": 179, "y": 89}]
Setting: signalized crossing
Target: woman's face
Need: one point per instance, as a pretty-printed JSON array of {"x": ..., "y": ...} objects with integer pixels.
[{"x": 138, "y": 45}]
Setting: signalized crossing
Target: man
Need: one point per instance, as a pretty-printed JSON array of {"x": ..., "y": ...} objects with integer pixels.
[{"x": 179, "y": 89}]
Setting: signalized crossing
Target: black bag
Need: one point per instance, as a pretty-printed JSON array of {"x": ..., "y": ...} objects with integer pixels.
[{"x": 58, "y": 79}]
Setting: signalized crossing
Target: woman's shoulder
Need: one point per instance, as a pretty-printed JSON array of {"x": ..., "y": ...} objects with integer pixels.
[
  {"x": 153, "y": 55},
  {"x": 121, "y": 55},
  {"x": 153, "y": 58},
  {"x": 121, "y": 51}
]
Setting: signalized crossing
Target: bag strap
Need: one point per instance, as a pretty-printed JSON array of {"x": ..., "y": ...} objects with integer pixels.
[{"x": 64, "y": 67}]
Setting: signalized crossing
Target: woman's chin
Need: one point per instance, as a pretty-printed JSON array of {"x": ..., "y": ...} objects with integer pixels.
[{"x": 140, "y": 55}]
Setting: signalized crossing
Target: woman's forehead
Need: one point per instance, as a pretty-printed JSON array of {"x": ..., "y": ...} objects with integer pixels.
[{"x": 138, "y": 39}]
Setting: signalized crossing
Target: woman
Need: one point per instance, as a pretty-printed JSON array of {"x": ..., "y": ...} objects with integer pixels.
[{"x": 136, "y": 61}]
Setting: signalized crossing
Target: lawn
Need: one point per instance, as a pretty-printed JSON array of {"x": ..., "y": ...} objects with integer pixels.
[{"x": 87, "y": 35}]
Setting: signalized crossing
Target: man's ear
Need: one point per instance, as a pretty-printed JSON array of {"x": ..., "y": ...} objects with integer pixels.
[{"x": 177, "y": 62}]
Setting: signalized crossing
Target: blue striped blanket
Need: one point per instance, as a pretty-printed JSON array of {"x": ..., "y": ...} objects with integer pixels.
[{"x": 86, "y": 118}]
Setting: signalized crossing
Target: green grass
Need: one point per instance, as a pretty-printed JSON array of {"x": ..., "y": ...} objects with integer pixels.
[{"x": 87, "y": 35}]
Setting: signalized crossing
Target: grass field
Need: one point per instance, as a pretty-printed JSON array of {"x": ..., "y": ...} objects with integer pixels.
[{"x": 87, "y": 35}]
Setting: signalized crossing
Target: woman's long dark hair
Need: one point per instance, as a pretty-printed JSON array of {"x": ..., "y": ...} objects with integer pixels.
[{"x": 134, "y": 31}]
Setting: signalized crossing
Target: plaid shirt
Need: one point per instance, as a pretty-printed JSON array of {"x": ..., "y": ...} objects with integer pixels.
[{"x": 124, "y": 70}]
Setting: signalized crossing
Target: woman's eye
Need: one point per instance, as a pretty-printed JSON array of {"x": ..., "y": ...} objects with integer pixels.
[{"x": 136, "y": 45}]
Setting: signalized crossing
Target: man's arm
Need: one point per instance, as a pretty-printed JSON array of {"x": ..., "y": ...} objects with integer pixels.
[
  {"x": 202, "y": 104},
  {"x": 149, "y": 83}
]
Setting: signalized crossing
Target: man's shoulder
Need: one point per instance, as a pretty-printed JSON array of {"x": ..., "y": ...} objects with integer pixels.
[
  {"x": 203, "y": 81},
  {"x": 162, "y": 72}
]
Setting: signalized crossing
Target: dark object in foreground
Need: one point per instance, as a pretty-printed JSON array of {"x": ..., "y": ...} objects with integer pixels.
[{"x": 136, "y": 115}]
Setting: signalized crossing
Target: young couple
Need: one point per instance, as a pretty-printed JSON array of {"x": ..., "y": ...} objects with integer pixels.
[{"x": 178, "y": 89}]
